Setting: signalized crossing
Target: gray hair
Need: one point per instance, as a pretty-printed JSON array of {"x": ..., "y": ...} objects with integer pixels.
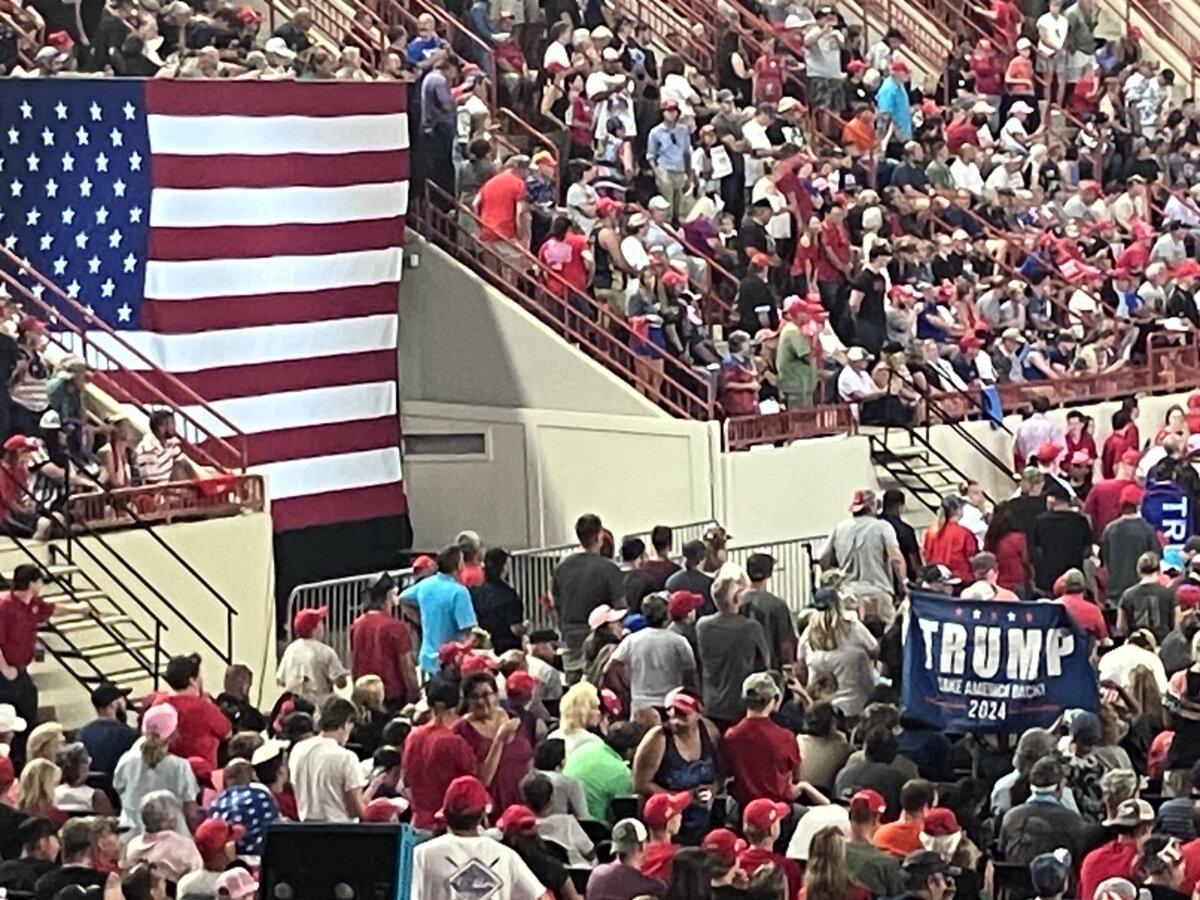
[
  {"x": 159, "y": 811},
  {"x": 1117, "y": 785},
  {"x": 738, "y": 340},
  {"x": 729, "y": 579},
  {"x": 73, "y": 759}
]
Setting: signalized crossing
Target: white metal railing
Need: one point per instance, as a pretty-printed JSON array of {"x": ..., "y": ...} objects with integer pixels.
[{"x": 531, "y": 574}]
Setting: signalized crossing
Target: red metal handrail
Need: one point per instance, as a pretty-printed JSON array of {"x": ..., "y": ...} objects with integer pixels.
[
  {"x": 1166, "y": 29},
  {"x": 578, "y": 317},
  {"x": 28, "y": 40},
  {"x": 671, "y": 21},
  {"x": 164, "y": 503},
  {"x": 166, "y": 389}
]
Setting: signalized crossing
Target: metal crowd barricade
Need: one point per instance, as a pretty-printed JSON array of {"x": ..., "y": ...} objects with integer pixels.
[
  {"x": 344, "y": 597},
  {"x": 795, "y": 573}
]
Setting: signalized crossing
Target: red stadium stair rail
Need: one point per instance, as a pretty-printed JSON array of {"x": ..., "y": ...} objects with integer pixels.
[
  {"x": 72, "y": 328},
  {"x": 577, "y": 317}
]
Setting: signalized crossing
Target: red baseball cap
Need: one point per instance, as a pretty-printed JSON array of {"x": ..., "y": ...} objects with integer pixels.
[
  {"x": 20, "y": 442},
  {"x": 517, "y": 818},
  {"x": 941, "y": 822},
  {"x": 453, "y": 651},
  {"x": 669, "y": 104},
  {"x": 384, "y": 810},
  {"x": 869, "y": 799},
  {"x": 674, "y": 278},
  {"x": 899, "y": 65},
  {"x": 7, "y": 773},
  {"x": 1048, "y": 452},
  {"x": 465, "y": 796},
  {"x": 970, "y": 342},
  {"x": 306, "y": 621},
  {"x": 856, "y": 65},
  {"x": 660, "y": 808},
  {"x": 424, "y": 565},
  {"x": 520, "y": 684},
  {"x": 681, "y": 701},
  {"x": 680, "y": 603},
  {"x": 1187, "y": 595},
  {"x": 724, "y": 845},
  {"x": 762, "y": 813},
  {"x": 760, "y": 259},
  {"x": 213, "y": 834},
  {"x": 1131, "y": 495},
  {"x": 29, "y": 323},
  {"x": 474, "y": 662},
  {"x": 1131, "y": 457}
]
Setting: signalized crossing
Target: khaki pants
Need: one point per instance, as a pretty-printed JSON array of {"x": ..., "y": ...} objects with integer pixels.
[{"x": 673, "y": 187}]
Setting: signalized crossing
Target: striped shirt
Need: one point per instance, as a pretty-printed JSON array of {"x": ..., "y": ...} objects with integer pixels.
[
  {"x": 47, "y": 491},
  {"x": 156, "y": 460},
  {"x": 29, "y": 391}
]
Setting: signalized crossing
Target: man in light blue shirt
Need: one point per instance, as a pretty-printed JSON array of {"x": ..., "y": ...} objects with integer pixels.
[
  {"x": 669, "y": 150},
  {"x": 442, "y": 605},
  {"x": 892, "y": 99}
]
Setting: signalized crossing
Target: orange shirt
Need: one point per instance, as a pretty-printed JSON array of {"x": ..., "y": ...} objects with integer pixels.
[
  {"x": 1019, "y": 76},
  {"x": 899, "y": 838},
  {"x": 498, "y": 200},
  {"x": 859, "y": 134}
]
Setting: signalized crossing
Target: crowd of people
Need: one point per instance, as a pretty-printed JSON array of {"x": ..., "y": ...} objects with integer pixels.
[{"x": 684, "y": 731}]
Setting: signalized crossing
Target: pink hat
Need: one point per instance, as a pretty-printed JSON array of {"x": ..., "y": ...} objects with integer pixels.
[
  {"x": 603, "y": 615},
  {"x": 237, "y": 883},
  {"x": 794, "y": 305},
  {"x": 160, "y": 720}
]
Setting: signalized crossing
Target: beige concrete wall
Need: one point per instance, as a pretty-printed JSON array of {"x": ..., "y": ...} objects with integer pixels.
[
  {"x": 462, "y": 342},
  {"x": 235, "y": 556},
  {"x": 542, "y": 468}
]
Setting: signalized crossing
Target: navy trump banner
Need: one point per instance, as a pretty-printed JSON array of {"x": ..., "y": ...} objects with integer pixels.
[{"x": 986, "y": 665}]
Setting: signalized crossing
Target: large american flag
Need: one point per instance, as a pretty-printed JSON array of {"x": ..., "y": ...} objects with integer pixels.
[{"x": 247, "y": 238}]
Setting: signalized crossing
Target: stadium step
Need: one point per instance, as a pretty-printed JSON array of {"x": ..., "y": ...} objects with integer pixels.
[
  {"x": 110, "y": 648},
  {"x": 71, "y": 624}
]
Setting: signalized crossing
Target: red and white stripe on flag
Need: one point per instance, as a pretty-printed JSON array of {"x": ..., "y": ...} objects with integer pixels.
[{"x": 272, "y": 273}]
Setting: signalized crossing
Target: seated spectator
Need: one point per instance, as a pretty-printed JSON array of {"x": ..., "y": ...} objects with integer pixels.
[
  {"x": 245, "y": 803},
  {"x": 309, "y": 667},
  {"x": 170, "y": 852},
  {"x": 1117, "y": 858},
  {"x": 902, "y": 837},
  {"x": 1043, "y": 823},
  {"x": 604, "y": 768},
  {"x": 74, "y": 794},
  {"x": 37, "y": 838},
  {"x": 623, "y": 877},
  {"x": 75, "y": 841},
  {"x": 869, "y": 866},
  {"x": 160, "y": 456},
  {"x": 234, "y": 700},
  {"x": 877, "y": 773},
  {"x": 36, "y": 789},
  {"x": 215, "y": 841}
]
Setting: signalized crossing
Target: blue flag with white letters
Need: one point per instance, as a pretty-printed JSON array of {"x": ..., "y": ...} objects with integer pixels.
[
  {"x": 1167, "y": 507},
  {"x": 989, "y": 665}
]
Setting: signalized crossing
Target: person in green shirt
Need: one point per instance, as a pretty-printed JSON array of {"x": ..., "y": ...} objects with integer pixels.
[
  {"x": 877, "y": 871},
  {"x": 602, "y": 767},
  {"x": 937, "y": 173},
  {"x": 1081, "y": 37},
  {"x": 794, "y": 357}
]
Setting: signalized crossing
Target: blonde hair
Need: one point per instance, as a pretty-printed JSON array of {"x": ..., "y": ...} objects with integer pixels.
[
  {"x": 35, "y": 791},
  {"x": 1143, "y": 688},
  {"x": 577, "y": 707},
  {"x": 154, "y": 750},
  {"x": 827, "y": 877},
  {"x": 827, "y": 629},
  {"x": 367, "y": 694},
  {"x": 45, "y": 741}
]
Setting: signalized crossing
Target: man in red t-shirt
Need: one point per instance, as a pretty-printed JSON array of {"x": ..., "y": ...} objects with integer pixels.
[
  {"x": 763, "y": 757},
  {"x": 503, "y": 209},
  {"x": 1103, "y": 503},
  {"x": 1124, "y": 438},
  {"x": 381, "y": 644},
  {"x": 833, "y": 261},
  {"x": 1083, "y": 612},
  {"x": 434, "y": 755},
  {"x": 22, "y": 610},
  {"x": 202, "y": 725},
  {"x": 761, "y": 822},
  {"x": 1132, "y": 824}
]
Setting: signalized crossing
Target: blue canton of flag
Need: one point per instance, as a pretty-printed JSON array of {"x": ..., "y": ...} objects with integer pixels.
[{"x": 75, "y": 189}]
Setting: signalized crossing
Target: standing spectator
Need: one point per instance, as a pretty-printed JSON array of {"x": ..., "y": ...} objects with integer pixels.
[
  {"x": 691, "y": 579},
  {"x": 1129, "y": 826},
  {"x": 877, "y": 771},
  {"x": 732, "y": 646},
  {"x": 1148, "y": 604},
  {"x": 843, "y": 647},
  {"x": 1007, "y": 541},
  {"x": 660, "y": 566},
  {"x": 149, "y": 765},
  {"x": 794, "y": 358},
  {"x": 22, "y": 610},
  {"x": 669, "y": 152},
  {"x": 656, "y": 660},
  {"x": 1103, "y": 503},
  {"x": 906, "y": 536},
  {"x": 1121, "y": 440},
  {"x": 381, "y": 644},
  {"x": 107, "y": 737},
  {"x": 638, "y": 585},
  {"x": 1061, "y": 540},
  {"x": 434, "y": 754},
  {"x": 1035, "y": 432},
  {"x": 502, "y": 748},
  {"x": 892, "y": 100},
  {"x": 442, "y": 605},
  {"x": 244, "y": 804},
  {"x": 867, "y": 551},
  {"x": 948, "y": 543},
  {"x": 582, "y": 582},
  {"x": 439, "y": 119},
  {"x": 27, "y": 385},
  {"x": 234, "y": 700},
  {"x": 326, "y": 776},
  {"x": 1123, "y": 543},
  {"x": 310, "y": 668},
  {"x": 762, "y": 757},
  {"x": 202, "y": 726},
  {"x": 769, "y": 611},
  {"x": 498, "y": 608}
]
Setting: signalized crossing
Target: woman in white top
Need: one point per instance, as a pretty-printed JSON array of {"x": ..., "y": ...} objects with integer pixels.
[
  {"x": 149, "y": 766},
  {"x": 74, "y": 794},
  {"x": 839, "y": 645},
  {"x": 578, "y": 712}
]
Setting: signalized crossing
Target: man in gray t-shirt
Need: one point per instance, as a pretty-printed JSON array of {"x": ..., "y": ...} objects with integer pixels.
[
  {"x": 732, "y": 646},
  {"x": 867, "y": 551},
  {"x": 657, "y": 660}
]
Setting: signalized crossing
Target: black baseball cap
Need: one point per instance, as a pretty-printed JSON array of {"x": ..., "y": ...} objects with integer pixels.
[
  {"x": 107, "y": 692},
  {"x": 34, "y": 829},
  {"x": 926, "y": 863}
]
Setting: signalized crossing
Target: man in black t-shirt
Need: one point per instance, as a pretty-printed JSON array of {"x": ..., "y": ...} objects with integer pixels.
[
  {"x": 38, "y": 839},
  {"x": 583, "y": 581},
  {"x": 756, "y": 304},
  {"x": 753, "y": 237},
  {"x": 76, "y": 840},
  {"x": 866, "y": 301},
  {"x": 1062, "y": 539},
  {"x": 638, "y": 584},
  {"x": 1148, "y": 604}
]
